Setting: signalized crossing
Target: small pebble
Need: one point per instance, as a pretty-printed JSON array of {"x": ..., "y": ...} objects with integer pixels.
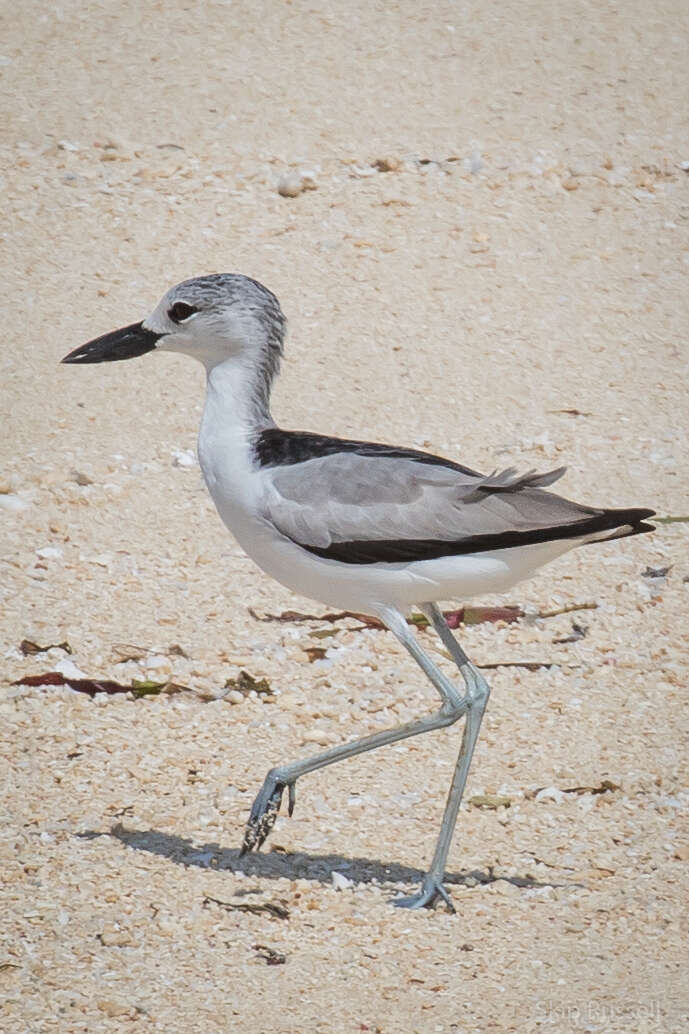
[
  {"x": 389, "y": 164},
  {"x": 550, "y": 793},
  {"x": 183, "y": 458},
  {"x": 292, "y": 184},
  {"x": 475, "y": 163},
  {"x": 340, "y": 882},
  {"x": 112, "y": 1008},
  {"x": 158, "y": 665},
  {"x": 12, "y": 502},
  {"x": 49, "y": 552},
  {"x": 113, "y": 937},
  {"x": 317, "y": 736}
]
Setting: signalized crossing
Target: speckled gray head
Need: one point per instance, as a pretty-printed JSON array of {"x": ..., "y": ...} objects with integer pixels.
[{"x": 209, "y": 317}]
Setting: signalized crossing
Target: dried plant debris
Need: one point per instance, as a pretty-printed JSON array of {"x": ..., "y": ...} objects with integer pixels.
[
  {"x": 323, "y": 633},
  {"x": 578, "y": 632},
  {"x": 656, "y": 572},
  {"x": 138, "y": 688},
  {"x": 123, "y": 652},
  {"x": 295, "y": 616},
  {"x": 29, "y": 648},
  {"x": 245, "y": 683},
  {"x": 489, "y": 801},
  {"x": 467, "y": 615},
  {"x": 315, "y": 653},
  {"x": 474, "y": 616},
  {"x": 148, "y": 687},
  {"x": 387, "y": 164},
  {"x": 527, "y": 665},
  {"x": 274, "y": 909},
  {"x": 455, "y": 618},
  {"x": 571, "y": 412},
  {"x": 270, "y": 955},
  {"x": 569, "y": 608},
  {"x": 605, "y": 786},
  {"x": 672, "y": 520},
  {"x": 175, "y": 650}
]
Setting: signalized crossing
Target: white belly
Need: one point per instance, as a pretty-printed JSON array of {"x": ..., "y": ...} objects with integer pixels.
[{"x": 369, "y": 587}]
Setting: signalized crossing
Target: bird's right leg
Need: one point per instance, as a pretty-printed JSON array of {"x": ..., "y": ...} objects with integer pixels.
[{"x": 267, "y": 804}]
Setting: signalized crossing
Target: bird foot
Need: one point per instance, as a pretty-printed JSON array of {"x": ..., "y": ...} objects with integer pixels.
[
  {"x": 264, "y": 810},
  {"x": 431, "y": 891}
]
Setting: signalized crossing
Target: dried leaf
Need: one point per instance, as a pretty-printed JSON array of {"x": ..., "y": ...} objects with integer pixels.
[
  {"x": 271, "y": 908},
  {"x": 490, "y": 801},
  {"x": 123, "y": 652},
  {"x": 567, "y": 609},
  {"x": 605, "y": 786},
  {"x": 529, "y": 665},
  {"x": 272, "y": 957},
  {"x": 246, "y": 682},
  {"x": 149, "y": 688},
  {"x": 315, "y": 653},
  {"x": 28, "y": 648},
  {"x": 92, "y": 686},
  {"x": 297, "y": 616},
  {"x": 479, "y": 615},
  {"x": 454, "y": 618},
  {"x": 571, "y": 412},
  {"x": 88, "y": 686},
  {"x": 656, "y": 572},
  {"x": 177, "y": 651}
]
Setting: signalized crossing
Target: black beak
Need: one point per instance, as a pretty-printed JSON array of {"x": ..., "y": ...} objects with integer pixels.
[{"x": 118, "y": 344}]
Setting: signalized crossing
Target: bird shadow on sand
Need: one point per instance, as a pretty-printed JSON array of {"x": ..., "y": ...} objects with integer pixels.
[{"x": 294, "y": 865}]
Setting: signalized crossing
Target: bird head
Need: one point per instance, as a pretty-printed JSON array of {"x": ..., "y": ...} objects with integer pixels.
[{"x": 211, "y": 318}]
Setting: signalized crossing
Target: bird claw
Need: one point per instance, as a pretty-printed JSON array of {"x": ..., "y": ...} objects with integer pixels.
[
  {"x": 431, "y": 891},
  {"x": 264, "y": 811}
]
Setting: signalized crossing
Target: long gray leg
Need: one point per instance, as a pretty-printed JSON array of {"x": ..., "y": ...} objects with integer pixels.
[
  {"x": 476, "y": 700},
  {"x": 453, "y": 706}
]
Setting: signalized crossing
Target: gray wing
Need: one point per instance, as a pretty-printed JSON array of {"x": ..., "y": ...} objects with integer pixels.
[{"x": 363, "y": 509}]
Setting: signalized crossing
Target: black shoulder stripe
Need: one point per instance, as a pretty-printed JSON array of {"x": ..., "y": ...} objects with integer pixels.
[
  {"x": 276, "y": 448},
  {"x": 395, "y": 551}
]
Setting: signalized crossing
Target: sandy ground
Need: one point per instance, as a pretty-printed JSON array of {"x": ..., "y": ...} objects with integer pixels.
[{"x": 512, "y": 290}]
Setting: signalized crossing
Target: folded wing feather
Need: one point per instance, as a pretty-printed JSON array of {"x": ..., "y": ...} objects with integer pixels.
[{"x": 348, "y": 498}]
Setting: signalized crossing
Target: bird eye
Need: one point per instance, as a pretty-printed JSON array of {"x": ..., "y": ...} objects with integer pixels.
[{"x": 181, "y": 311}]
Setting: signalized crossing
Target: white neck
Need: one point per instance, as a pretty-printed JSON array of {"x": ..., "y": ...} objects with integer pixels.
[{"x": 238, "y": 395}]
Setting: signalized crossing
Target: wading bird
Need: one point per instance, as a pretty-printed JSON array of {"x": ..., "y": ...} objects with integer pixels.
[{"x": 357, "y": 525}]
